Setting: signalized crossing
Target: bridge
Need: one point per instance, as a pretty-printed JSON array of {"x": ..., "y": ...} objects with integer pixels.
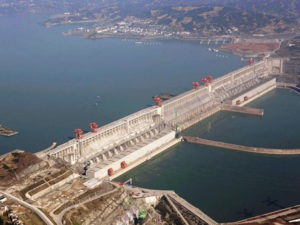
[{"x": 117, "y": 145}]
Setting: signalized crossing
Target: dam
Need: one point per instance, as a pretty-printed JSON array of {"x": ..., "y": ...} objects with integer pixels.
[{"x": 112, "y": 149}]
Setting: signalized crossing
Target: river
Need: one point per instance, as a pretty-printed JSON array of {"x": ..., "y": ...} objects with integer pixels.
[{"x": 51, "y": 84}]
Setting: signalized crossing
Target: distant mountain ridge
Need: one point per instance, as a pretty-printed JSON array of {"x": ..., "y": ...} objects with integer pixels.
[
  {"x": 218, "y": 16},
  {"x": 206, "y": 17}
]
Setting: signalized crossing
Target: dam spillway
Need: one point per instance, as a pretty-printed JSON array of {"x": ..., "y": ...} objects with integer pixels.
[{"x": 139, "y": 135}]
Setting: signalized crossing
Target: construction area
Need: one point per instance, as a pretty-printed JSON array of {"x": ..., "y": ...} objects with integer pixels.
[
  {"x": 251, "y": 49},
  {"x": 53, "y": 199},
  {"x": 13, "y": 213},
  {"x": 54, "y": 194}
]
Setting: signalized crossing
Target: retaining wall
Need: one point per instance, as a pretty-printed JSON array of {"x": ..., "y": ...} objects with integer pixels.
[
  {"x": 255, "y": 92},
  {"x": 135, "y": 155}
]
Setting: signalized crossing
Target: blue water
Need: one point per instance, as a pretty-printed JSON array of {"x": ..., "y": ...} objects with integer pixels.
[
  {"x": 278, "y": 128},
  {"x": 49, "y": 83},
  {"x": 224, "y": 183}
]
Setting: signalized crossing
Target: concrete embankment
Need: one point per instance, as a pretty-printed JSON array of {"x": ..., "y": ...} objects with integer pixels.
[
  {"x": 43, "y": 153},
  {"x": 289, "y": 86},
  {"x": 288, "y": 214},
  {"x": 245, "y": 110},
  {"x": 191, "y": 214},
  {"x": 253, "y": 94},
  {"x": 296, "y": 89},
  {"x": 202, "y": 141},
  {"x": 193, "y": 119},
  {"x": 145, "y": 158}
]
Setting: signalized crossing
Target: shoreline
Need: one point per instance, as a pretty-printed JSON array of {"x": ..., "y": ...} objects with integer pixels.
[{"x": 202, "y": 40}]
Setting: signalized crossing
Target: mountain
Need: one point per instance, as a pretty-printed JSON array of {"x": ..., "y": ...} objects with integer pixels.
[
  {"x": 204, "y": 17},
  {"x": 218, "y": 16}
]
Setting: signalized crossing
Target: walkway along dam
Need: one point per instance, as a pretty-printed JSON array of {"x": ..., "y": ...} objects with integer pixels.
[{"x": 113, "y": 149}]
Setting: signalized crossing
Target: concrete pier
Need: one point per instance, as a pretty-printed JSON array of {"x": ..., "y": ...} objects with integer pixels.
[
  {"x": 219, "y": 144},
  {"x": 245, "y": 110}
]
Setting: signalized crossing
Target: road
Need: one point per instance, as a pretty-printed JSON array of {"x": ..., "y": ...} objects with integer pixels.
[
  {"x": 58, "y": 218},
  {"x": 32, "y": 207}
]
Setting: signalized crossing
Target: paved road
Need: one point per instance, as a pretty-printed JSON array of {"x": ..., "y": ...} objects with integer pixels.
[{"x": 32, "y": 207}]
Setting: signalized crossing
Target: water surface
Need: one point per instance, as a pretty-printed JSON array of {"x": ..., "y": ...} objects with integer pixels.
[
  {"x": 231, "y": 185},
  {"x": 51, "y": 84}
]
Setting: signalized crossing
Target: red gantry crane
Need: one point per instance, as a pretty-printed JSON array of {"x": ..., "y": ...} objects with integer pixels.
[
  {"x": 93, "y": 127},
  {"x": 207, "y": 80},
  {"x": 157, "y": 100},
  {"x": 250, "y": 61},
  {"x": 195, "y": 85},
  {"x": 78, "y": 133}
]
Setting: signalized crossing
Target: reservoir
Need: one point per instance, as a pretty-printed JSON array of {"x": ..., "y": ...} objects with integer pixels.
[{"x": 51, "y": 84}]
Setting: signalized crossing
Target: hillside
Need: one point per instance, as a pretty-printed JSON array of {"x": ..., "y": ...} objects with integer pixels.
[
  {"x": 219, "y": 20},
  {"x": 201, "y": 17}
]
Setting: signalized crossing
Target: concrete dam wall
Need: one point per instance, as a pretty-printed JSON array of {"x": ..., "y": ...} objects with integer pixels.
[{"x": 121, "y": 140}]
